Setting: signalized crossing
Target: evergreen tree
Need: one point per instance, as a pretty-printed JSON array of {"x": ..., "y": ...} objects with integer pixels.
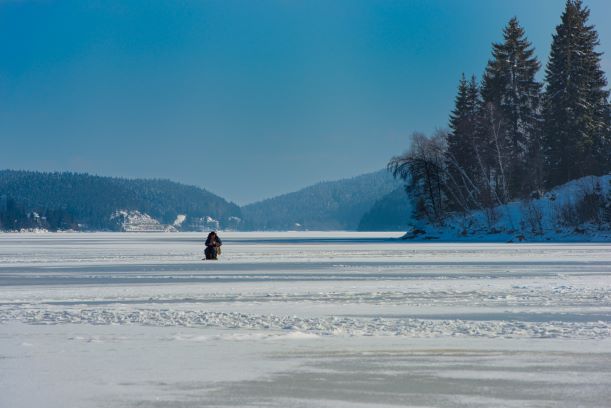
[
  {"x": 577, "y": 115},
  {"x": 461, "y": 151},
  {"x": 511, "y": 99}
]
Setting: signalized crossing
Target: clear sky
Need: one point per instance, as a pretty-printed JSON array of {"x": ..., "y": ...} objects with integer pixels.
[{"x": 246, "y": 98}]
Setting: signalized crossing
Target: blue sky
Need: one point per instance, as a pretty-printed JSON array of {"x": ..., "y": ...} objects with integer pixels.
[{"x": 246, "y": 98}]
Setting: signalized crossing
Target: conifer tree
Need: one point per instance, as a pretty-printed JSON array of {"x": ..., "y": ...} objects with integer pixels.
[
  {"x": 511, "y": 99},
  {"x": 577, "y": 114},
  {"x": 460, "y": 155},
  {"x": 459, "y": 123}
]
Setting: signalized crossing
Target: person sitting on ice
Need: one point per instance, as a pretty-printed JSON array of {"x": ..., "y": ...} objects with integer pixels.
[{"x": 213, "y": 246}]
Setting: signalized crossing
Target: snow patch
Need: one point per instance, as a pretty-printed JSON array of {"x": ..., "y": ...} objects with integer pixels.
[
  {"x": 300, "y": 327},
  {"x": 180, "y": 218},
  {"x": 135, "y": 221}
]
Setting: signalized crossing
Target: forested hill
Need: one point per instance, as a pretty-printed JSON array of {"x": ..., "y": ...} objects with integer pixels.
[
  {"x": 81, "y": 201},
  {"x": 392, "y": 212},
  {"x": 334, "y": 205}
]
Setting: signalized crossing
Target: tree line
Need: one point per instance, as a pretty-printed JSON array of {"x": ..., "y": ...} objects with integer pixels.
[{"x": 510, "y": 136}]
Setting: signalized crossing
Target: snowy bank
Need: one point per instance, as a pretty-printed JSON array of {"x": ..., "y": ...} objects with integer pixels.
[{"x": 578, "y": 211}]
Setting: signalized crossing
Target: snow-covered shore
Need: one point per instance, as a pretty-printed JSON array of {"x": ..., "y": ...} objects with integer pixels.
[{"x": 578, "y": 211}]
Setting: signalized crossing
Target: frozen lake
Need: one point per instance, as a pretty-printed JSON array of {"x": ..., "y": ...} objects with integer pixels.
[{"x": 301, "y": 320}]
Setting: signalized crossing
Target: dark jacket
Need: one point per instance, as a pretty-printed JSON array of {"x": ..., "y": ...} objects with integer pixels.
[{"x": 217, "y": 240}]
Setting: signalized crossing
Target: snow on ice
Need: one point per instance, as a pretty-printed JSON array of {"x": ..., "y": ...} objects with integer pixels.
[{"x": 301, "y": 319}]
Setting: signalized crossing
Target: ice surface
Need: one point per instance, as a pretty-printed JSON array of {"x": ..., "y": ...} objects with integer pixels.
[{"x": 301, "y": 319}]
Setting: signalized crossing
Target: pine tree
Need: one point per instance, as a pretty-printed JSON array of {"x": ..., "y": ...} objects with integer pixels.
[
  {"x": 460, "y": 155},
  {"x": 459, "y": 120},
  {"x": 511, "y": 97},
  {"x": 577, "y": 115}
]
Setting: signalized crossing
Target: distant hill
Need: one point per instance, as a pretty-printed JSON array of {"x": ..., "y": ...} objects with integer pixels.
[
  {"x": 87, "y": 202},
  {"x": 333, "y": 205},
  {"x": 393, "y": 212}
]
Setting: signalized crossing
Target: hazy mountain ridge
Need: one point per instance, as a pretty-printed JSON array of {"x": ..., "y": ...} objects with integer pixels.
[
  {"x": 77, "y": 201},
  {"x": 330, "y": 205},
  {"x": 82, "y": 201},
  {"x": 392, "y": 212}
]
